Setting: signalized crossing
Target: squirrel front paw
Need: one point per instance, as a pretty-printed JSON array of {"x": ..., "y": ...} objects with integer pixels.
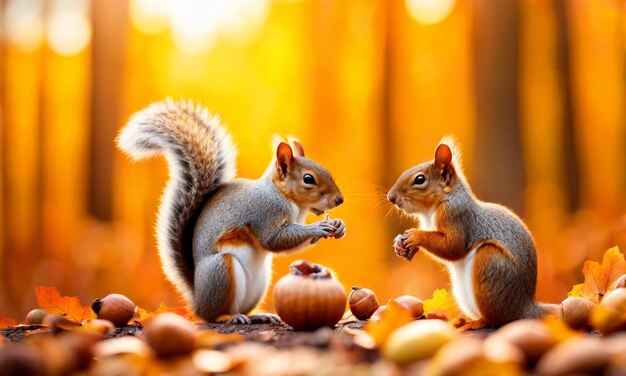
[
  {"x": 340, "y": 228},
  {"x": 322, "y": 229},
  {"x": 401, "y": 250}
]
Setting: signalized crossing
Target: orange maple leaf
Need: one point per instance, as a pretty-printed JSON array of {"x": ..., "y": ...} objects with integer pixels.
[
  {"x": 50, "y": 299},
  {"x": 392, "y": 318},
  {"x": 599, "y": 278},
  {"x": 5, "y": 322},
  {"x": 442, "y": 300}
]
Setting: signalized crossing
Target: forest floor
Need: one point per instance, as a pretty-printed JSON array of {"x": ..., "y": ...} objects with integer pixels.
[{"x": 260, "y": 349}]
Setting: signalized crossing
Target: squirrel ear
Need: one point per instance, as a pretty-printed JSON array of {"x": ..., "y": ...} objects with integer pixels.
[
  {"x": 443, "y": 161},
  {"x": 284, "y": 159},
  {"x": 443, "y": 155},
  {"x": 298, "y": 150}
]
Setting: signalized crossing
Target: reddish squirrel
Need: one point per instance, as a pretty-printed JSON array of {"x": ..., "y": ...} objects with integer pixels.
[
  {"x": 488, "y": 251},
  {"x": 217, "y": 233}
]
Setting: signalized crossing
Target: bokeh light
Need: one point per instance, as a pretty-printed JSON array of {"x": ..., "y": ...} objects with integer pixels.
[
  {"x": 68, "y": 30},
  {"x": 23, "y": 24},
  {"x": 150, "y": 16},
  {"x": 429, "y": 11}
]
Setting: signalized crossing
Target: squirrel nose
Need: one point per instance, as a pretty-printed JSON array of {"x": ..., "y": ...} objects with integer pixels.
[
  {"x": 391, "y": 197},
  {"x": 338, "y": 201}
]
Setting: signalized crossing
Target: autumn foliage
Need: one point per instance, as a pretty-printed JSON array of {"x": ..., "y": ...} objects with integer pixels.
[
  {"x": 50, "y": 299},
  {"x": 599, "y": 278}
]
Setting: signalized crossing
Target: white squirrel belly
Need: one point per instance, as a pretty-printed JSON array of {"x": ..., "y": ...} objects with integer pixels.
[
  {"x": 252, "y": 271},
  {"x": 462, "y": 288}
]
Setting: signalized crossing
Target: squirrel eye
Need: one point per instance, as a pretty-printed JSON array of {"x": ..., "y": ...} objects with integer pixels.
[
  {"x": 420, "y": 179},
  {"x": 308, "y": 179}
]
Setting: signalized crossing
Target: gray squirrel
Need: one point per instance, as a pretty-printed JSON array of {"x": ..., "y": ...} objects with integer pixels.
[
  {"x": 216, "y": 233},
  {"x": 487, "y": 249}
]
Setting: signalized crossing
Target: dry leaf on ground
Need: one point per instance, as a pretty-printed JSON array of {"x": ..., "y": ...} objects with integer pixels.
[{"x": 50, "y": 299}]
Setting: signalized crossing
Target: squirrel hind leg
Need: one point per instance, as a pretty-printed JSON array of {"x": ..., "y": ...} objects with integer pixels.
[
  {"x": 214, "y": 287},
  {"x": 500, "y": 293}
]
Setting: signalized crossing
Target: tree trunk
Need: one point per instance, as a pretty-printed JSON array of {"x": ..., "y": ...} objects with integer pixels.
[
  {"x": 499, "y": 175},
  {"x": 110, "y": 20},
  {"x": 569, "y": 152}
]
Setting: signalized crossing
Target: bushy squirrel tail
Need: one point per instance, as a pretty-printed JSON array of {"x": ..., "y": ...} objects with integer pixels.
[
  {"x": 541, "y": 310},
  {"x": 201, "y": 157}
]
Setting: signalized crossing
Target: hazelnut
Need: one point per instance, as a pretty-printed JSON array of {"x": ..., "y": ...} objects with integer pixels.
[
  {"x": 610, "y": 315},
  {"x": 532, "y": 337},
  {"x": 621, "y": 282},
  {"x": 36, "y": 316},
  {"x": 412, "y": 304},
  {"x": 170, "y": 335},
  {"x": 99, "y": 326},
  {"x": 58, "y": 323},
  {"x": 576, "y": 312},
  {"x": 583, "y": 355},
  {"x": 363, "y": 303},
  {"x": 116, "y": 308}
]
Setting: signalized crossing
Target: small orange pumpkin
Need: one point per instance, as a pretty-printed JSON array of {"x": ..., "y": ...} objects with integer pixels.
[{"x": 309, "y": 297}]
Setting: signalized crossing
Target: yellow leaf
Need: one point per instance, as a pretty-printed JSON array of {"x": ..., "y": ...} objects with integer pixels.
[
  {"x": 392, "y": 318},
  {"x": 442, "y": 301},
  {"x": 599, "y": 277}
]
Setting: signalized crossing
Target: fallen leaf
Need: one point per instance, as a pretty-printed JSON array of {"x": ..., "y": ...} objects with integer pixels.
[
  {"x": 392, "y": 318},
  {"x": 600, "y": 277},
  {"x": 442, "y": 302},
  {"x": 50, "y": 299},
  {"x": 5, "y": 322}
]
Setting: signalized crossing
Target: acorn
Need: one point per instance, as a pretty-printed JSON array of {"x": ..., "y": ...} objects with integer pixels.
[
  {"x": 309, "y": 297},
  {"x": 170, "y": 335},
  {"x": 363, "y": 303},
  {"x": 412, "y": 304},
  {"x": 116, "y": 308},
  {"x": 36, "y": 316}
]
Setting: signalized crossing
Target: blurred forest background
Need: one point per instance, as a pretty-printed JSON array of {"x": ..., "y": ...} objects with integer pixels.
[{"x": 533, "y": 89}]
